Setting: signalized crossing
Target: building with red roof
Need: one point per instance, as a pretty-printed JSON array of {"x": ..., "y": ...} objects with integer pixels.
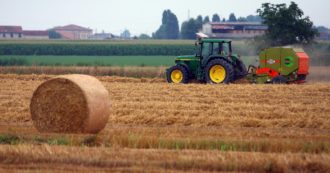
[
  {"x": 16, "y": 32},
  {"x": 234, "y": 29},
  {"x": 11, "y": 32},
  {"x": 74, "y": 32},
  {"x": 35, "y": 34}
]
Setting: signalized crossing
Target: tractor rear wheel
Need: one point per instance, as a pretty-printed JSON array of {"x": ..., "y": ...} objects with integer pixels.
[
  {"x": 240, "y": 70},
  {"x": 219, "y": 71},
  {"x": 177, "y": 74}
]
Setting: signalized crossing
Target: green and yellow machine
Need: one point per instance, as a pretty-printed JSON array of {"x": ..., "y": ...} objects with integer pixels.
[
  {"x": 280, "y": 65},
  {"x": 215, "y": 62}
]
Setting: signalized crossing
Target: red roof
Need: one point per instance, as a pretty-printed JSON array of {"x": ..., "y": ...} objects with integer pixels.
[
  {"x": 35, "y": 33},
  {"x": 72, "y": 28},
  {"x": 12, "y": 29}
]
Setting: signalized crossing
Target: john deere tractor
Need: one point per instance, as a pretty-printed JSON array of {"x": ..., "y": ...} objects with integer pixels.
[{"x": 214, "y": 62}]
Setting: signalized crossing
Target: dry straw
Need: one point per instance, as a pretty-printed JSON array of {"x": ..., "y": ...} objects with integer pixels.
[{"x": 70, "y": 104}]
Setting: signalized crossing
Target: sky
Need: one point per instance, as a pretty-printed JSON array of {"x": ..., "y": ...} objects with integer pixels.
[{"x": 138, "y": 16}]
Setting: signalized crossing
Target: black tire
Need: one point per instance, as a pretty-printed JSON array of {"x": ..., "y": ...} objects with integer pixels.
[
  {"x": 183, "y": 70},
  {"x": 301, "y": 77},
  {"x": 227, "y": 66},
  {"x": 240, "y": 70},
  {"x": 279, "y": 80}
]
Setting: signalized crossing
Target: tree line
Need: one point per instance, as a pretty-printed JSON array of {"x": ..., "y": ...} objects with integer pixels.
[
  {"x": 286, "y": 25},
  {"x": 169, "y": 28}
]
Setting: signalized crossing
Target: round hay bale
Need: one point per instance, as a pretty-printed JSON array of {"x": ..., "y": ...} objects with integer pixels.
[{"x": 70, "y": 104}]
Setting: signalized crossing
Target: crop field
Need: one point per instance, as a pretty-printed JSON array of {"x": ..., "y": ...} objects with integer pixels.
[
  {"x": 317, "y": 73},
  {"x": 159, "y": 127},
  {"x": 87, "y": 60},
  {"x": 14, "y": 60}
]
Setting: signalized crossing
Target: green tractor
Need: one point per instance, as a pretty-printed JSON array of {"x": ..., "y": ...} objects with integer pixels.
[{"x": 214, "y": 62}]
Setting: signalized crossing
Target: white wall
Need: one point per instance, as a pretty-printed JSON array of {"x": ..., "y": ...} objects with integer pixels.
[{"x": 8, "y": 36}]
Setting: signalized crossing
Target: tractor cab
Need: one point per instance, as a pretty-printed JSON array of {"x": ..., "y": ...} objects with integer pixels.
[
  {"x": 209, "y": 47},
  {"x": 213, "y": 62}
]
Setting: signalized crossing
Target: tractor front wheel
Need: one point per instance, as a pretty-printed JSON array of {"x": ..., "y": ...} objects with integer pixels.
[
  {"x": 177, "y": 74},
  {"x": 219, "y": 71}
]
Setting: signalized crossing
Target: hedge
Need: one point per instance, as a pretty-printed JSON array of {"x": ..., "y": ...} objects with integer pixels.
[{"x": 95, "y": 49}]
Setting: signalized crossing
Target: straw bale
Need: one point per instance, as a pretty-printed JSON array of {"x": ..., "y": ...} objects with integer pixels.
[{"x": 70, "y": 104}]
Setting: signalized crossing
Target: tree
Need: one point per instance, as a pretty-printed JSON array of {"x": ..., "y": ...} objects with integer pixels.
[
  {"x": 144, "y": 36},
  {"x": 169, "y": 28},
  {"x": 199, "y": 22},
  {"x": 126, "y": 34},
  {"x": 232, "y": 18},
  {"x": 206, "y": 19},
  {"x": 253, "y": 18},
  {"x": 189, "y": 29},
  {"x": 286, "y": 25},
  {"x": 52, "y": 34},
  {"x": 224, "y": 20},
  {"x": 242, "y": 19},
  {"x": 215, "y": 18}
]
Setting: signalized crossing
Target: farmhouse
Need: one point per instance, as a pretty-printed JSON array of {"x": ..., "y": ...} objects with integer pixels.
[
  {"x": 234, "y": 29},
  {"x": 10, "y": 32},
  {"x": 101, "y": 36},
  {"x": 16, "y": 32},
  {"x": 74, "y": 32},
  {"x": 34, "y": 34}
]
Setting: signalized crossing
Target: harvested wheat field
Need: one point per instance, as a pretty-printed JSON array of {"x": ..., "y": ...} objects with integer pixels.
[{"x": 159, "y": 127}]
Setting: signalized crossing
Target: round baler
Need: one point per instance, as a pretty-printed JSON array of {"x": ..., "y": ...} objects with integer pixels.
[{"x": 280, "y": 65}]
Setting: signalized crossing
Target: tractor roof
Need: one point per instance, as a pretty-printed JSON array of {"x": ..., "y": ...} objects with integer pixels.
[{"x": 213, "y": 40}]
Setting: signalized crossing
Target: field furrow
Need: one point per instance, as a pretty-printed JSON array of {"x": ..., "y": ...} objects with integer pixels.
[{"x": 163, "y": 127}]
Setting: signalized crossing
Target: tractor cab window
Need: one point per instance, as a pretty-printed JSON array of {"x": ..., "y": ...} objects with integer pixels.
[
  {"x": 206, "y": 50},
  {"x": 217, "y": 48},
  {"x": 225, "y": 49}
]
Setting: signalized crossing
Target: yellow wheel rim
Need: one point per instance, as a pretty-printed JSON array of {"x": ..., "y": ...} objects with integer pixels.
[
  {"x": 217, "y": 74},
  {"x": 176, "y": 76}
]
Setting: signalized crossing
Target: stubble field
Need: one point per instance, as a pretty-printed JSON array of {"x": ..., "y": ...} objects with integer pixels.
[{"x": 158, "y": 127}]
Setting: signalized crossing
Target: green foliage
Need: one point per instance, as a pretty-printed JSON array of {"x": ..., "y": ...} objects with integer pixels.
[
  {"x": 192, "y": 26},
  {"x": 216, "y": 18},
  {"x": 95, "y": 49},
  {"x": 52, "y": 34},
  {"x": 9, "y": 139},
  {"x": 12, "y": 61},
  {"x": 126, "y": 34},
  {"x": 206, "y": 19},
  {"x": 286, "y": 25},
  {"x": 253, "y": 18},
  {"x": 169, "y": 28},
  {"x": 189, "y": 29},
  {"x": 232, "y": 18},
  {"x": 92, "y": 60},
  {"x": 199, "y": 22},
  {"x": 144, "y": 36},
  {"x": 242, "y": 19}
]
